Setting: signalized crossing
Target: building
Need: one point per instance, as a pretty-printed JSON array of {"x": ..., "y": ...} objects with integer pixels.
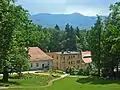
[
  {"x": 64, "y": 60},
  {"x": 86, "y": 56},
  {"x": 39, "y": 60}
]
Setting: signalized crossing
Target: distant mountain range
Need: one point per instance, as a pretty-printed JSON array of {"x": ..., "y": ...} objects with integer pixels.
[{"x": 74, "y": 19}]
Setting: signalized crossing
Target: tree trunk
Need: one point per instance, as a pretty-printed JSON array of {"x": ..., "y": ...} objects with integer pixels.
[
  {"x": 99, "y": 71},
  {"x": 117, "y": 69},
  {"x": 19, "y": 74},
  {"x": 5, "y": 75},
  {"x": 113, "y": 74},
  {"x": 99, "y": 67}
]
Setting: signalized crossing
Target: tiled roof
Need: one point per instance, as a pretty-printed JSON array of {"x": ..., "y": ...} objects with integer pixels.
[
  {"x": 86, "y": 56},
  {"x": 36, "y": 54}
]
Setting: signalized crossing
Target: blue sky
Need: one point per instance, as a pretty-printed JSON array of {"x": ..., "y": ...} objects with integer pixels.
[{"x": 85, "y": 7}]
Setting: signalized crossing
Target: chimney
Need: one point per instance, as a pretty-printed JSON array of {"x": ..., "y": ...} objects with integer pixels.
[{"x": 62, "y": 52}]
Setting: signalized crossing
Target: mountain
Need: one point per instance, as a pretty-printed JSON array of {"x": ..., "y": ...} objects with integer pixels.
[{"x": 74, "y": 19}]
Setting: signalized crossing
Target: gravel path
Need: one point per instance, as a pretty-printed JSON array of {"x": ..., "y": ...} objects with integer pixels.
[{"x": 52, "y": 81}]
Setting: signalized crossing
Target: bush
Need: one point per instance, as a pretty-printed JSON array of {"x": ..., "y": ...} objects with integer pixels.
[
  {"x": 55, "y": 75},
  {"x": 84, "y": 72},
  {"x": 14, "y": 76},
  {"x": 80, "y": 72},
  {"x": 71, "y": 71},
  {"x": 93, "y": 73},
  {"x": 58, "y": 71}
]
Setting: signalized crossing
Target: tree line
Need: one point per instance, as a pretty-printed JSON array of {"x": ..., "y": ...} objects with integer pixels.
[
  {"x": 56, "y": 40},
  {"x": 17, "y": 33}
]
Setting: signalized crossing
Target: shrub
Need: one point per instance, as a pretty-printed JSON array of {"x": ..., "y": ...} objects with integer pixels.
[
  {"x": 80, "y": 72},
  {"x": 14, "y": 76},
  {"x": 93, "y": 73},
  {"x": 58, "y": 71},
  {"x": 71, "y": 71},
  {"x": 84, "y": 72},
  {"x": 55, "y": 75}
]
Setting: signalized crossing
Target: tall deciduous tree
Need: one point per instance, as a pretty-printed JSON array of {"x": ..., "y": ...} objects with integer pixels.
[
  {"x": 112, "y": 41},
  {"x": 9, "y": 24}
]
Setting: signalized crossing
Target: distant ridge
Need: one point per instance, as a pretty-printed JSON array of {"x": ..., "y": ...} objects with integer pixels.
[{"x": 74, "y": 19}]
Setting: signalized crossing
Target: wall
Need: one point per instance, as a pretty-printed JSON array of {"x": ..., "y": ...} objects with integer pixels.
[
  {"x": 64, "y": 61},
  {"x": 38, "y": 65}
]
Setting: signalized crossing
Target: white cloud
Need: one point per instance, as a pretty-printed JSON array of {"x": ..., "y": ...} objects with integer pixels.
[
  {"x": 87, "y": 11},
  {"x": 85, "y": 7}
]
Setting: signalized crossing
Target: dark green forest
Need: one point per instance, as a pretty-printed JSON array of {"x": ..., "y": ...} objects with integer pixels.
[{"x": 17, "y": 33}]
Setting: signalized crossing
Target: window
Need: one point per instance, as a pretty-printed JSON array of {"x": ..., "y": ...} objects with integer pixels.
[
  {"x": 61, "y": 57},
  {"x": 52, "y": 56},
  {"x": 73, "y": 56},
  {"x": 87, "y": 57},
  {"x": 37, "y": 64},
  {"x": 69, "y": 57},
  {"x": 69, "y": 62},
  {"x": 64, "y": 58},
  {"x": 78, "y": 61},
  {"x": 31, "y": 65},
  {"x": 43, "y": 66}
]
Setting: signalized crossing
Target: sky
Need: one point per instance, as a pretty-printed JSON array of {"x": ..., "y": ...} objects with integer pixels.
[{"x": 85, "y": 7}]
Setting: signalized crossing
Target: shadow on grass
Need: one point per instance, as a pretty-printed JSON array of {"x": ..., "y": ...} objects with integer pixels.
[
  {"x": 9, "y": 83},
  {"x": 95, "y": 80}
]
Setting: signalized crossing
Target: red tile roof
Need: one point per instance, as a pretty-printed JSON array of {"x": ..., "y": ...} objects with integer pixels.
[
  {"x": 86, "y": 56},
  {"x": 36, "y": 54}
]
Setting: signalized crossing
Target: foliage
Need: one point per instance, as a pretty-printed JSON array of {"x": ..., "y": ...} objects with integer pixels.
[
  {"x": 12, "y": 47},
  {"x": 58, "y": 71},
  {"x": 71, "y": 70},
  {"x": 94, "y": 41},
  {"x": 103, "y": 40},
  {"x": 17, "y": 34},
  {"x": 55, "y": 75}
]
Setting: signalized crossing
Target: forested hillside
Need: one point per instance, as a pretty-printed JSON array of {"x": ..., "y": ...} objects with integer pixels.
[{"x": 74, "y": 19}]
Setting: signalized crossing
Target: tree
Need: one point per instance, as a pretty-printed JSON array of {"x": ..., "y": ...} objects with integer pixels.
[
  {"x": 57, "y": 27},
  {"x": 81, "y": 38},
  {"x": 18, "y": 54},
  {"x": 9, "y": 24},
  {"x": 95, "y": 43},
  {"x": 70, "y": 38},
  {"x": 112, "y": 41}
]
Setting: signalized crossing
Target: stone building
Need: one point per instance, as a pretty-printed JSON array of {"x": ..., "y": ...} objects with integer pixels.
[{"x": 64, "y": 60}]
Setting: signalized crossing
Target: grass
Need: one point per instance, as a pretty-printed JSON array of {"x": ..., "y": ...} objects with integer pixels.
[
  {"x": 77, "y": 83},
  {"x": 28, "y": 81}
]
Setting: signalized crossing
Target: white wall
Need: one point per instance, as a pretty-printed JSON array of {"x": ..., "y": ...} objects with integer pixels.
[{"x": 40, "y": 63}]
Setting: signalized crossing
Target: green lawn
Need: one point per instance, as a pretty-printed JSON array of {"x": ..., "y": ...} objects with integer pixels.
[
  {"x": 28, "y": 81},
  {"x": 77, "y": 83}
]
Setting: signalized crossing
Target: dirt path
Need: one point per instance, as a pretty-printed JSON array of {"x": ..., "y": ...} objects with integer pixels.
[
  {"x": 52, "y": 81},
  {"x": 3, "y": 88}
]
